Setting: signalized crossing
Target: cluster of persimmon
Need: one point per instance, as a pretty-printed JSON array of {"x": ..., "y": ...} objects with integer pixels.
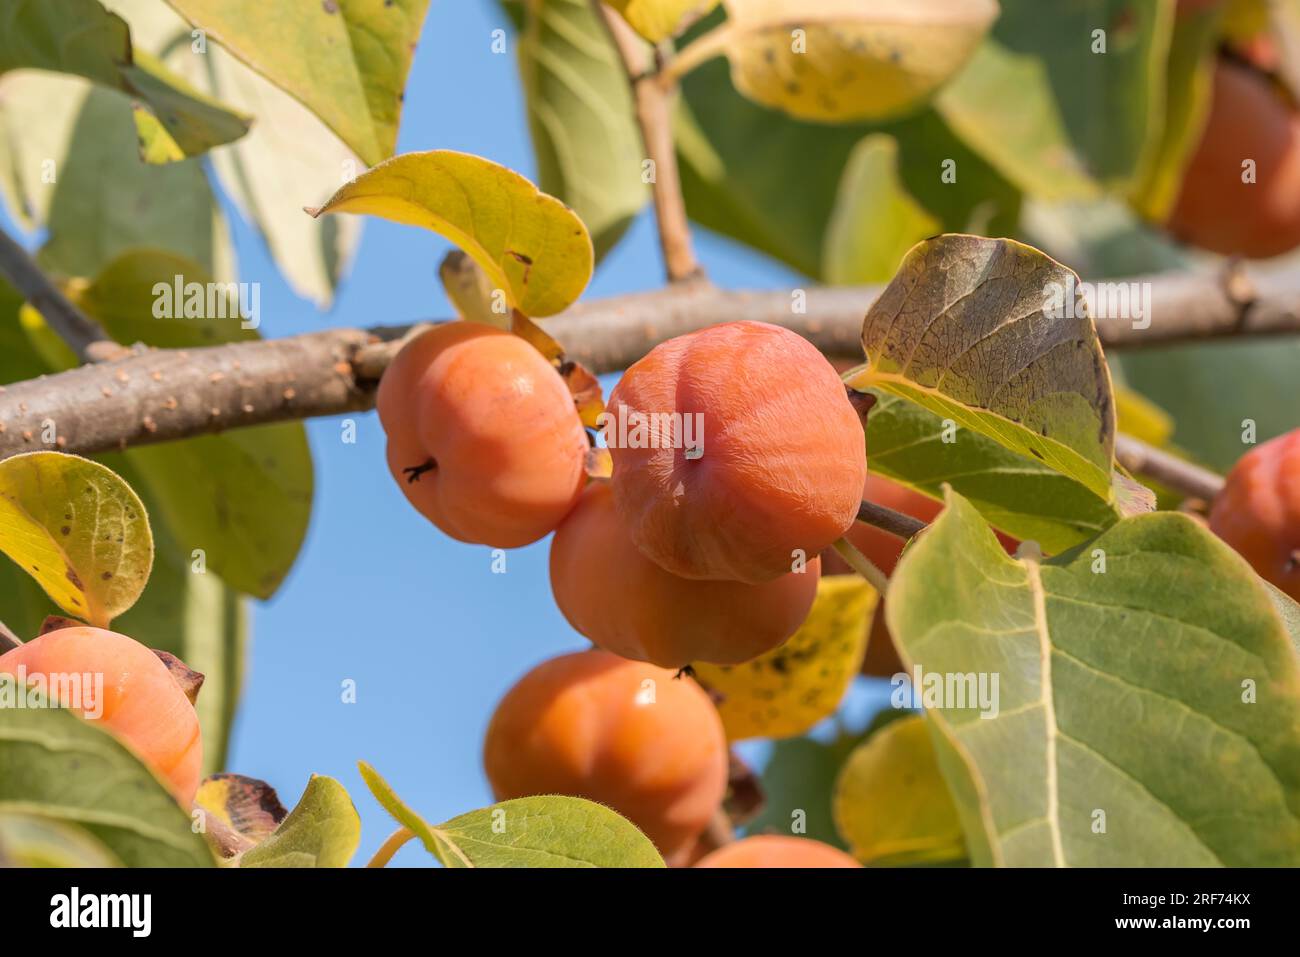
[
  {"x": 700, "y": 547},
  {"x": 141, "y": 697}
]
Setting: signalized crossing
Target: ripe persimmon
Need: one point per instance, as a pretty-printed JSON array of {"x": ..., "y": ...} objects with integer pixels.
[
  {"x": 1258, "y": 511},
  {"x": 139, "y": 701},
  {"x": 625, "y": 603},
  {"x": 1219, "y": 207},
  {"x": 483, "y": 436},
  {"x": 777, "y": 850},
  {"x": 622, "y": 733},
  {"x": 777, "y": 456}
]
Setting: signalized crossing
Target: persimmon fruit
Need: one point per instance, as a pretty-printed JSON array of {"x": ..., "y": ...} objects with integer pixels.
[
  {"x": 483, "y": 435},
  {"x": 142, "y": 704},
  {"x": 777, "y": 468},
  {"x": 623, "y": 733},
  {"x": 625, "y": 603},
  {"x": 1258, "y": 511},
  {"x": 777, "y": 850},
  {"x": 1249, "y": 119}
]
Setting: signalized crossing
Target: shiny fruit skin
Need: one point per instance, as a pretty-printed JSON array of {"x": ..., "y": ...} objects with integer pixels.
[
  {"x": 1215, "y": 210},
  {"x": 622, "y": 733},
  {"x": 783, "y": 461},
  {"x": 499, "y": 425},
  {"x": 142, "y": 705},
  {"x": 777, "y": 850},
  {"x": 625, "y": 603},
  {"x": 1258, "y": 511}
]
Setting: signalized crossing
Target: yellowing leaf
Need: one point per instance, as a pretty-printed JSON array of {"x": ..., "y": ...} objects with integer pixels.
[
  {"x": 1141, "y": 418},
  {"x": 78, "y": 529},
  {"x": 841, "y": 60},
  {"x": 891, "y": 803},
  {"x": 345, "y": 60},
  {"x": 786, "y": 691},
  {"x": 239, "y": 812},
  {"x": 986, "y": 332},
  {"x": 530, "y": 244},
  {"x": 658, "y": 20}
]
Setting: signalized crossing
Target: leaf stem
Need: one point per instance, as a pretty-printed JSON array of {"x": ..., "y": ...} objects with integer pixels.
[
  {"x": 653, "y": 103},
  {"x": 699, "y": 51},
  {"x": 8, "y": 640},
  {"x": 396, "y": 841},
  {"x": 1169, "y": 470},
  {"x": 886, "y": 519},
  {"x": 863, "y": 566}
]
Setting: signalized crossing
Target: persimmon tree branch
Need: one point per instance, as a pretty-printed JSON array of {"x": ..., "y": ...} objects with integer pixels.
[
  {"x": 160, "y": 395},
  {"x": 654, "y": 115},
  {"x": 1183, "y": 477},
  {"x": 82, "y": 334}
]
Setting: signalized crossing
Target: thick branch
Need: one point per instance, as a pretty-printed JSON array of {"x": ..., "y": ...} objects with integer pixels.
[
  {"x": 654, "y": 116},
  {"x": 83, "y": 335},
  {"x": 159, "y": 395}
]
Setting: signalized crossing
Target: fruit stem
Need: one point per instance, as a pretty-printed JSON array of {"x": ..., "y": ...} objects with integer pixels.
[
  {"x": 886, "y": 519},
  {"x": 863, "y": 565},
  {"x": 1169, "y": 470},
  {"x": 395, "y": 842},
  {"x": 8, "y": 640}
]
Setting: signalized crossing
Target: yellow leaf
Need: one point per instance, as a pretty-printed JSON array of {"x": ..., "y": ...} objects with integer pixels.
[
  {"x": 785, "y": 692},
  {"x": 78, "y": 529},
  {"x": 1141, "y": 418},
  {"x": 891, "y": 803},
  {"x": 840, "y": 60},
  {"x": 530, "y": 244},
  {"x": 657, "y": 20}
]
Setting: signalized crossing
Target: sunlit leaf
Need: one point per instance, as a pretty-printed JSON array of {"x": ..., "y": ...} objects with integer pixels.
[{"x": 323, "y": 830}]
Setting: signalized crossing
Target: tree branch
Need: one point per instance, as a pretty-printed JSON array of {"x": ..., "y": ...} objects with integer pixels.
[
  {"x": 1169, "y": 470},
  {"x": 887, "y": 520},
  {"x": 160, "y": 395},
  {"x": 654, "y": 117},
  {"x": 84, "y": 336}
]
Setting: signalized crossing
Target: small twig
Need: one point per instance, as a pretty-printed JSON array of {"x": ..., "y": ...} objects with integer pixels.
[
  {"x": 8, "y": 640},
  {"x": 83, "y": 335},
  {"x": 1168, "y": 470},
  {"x": 863, "y": 566},
  {"x": 700, "y": 50},
  {"x": 898, "y": 524},
  {"x": 654, "y": 117},
  {"x": 396, "y": 841}
]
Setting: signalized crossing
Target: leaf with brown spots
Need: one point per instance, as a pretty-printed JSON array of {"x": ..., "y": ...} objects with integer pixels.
[
  {"x": 239, "y": 812},
  {"x": 67, "y": 521},
  {"x": 785, "y": 692},
  {"x": 841, "y": 60}
]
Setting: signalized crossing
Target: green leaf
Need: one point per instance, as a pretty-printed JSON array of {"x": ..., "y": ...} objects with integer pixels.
[
  {"x": 658, "y": 20},
  {"x": 549, "y": 831},
  {"x": 530, "y": 244},
  {"x": 843, "y": 60},
  {"x": 345, "y": 60},
  {"x": 37, "y": 34},
  {"x": 786, "y": 691},
  {"x": 1147, "y": 711},
  {"x": 28, "y": 841},
  {"x": 1019, "y": 495},
  {"x": 877, "y": 222},
  {"x": 968, "y": 330},
  {"x": 891, "y": 802},
  {"x": 1029, "y": 144},
  {"x": 322, "y": 831},
  {"x": 799, "y": 776},
  {"x": 588, "y": 147},
  {"x": 719, "y": 132},
  {"x": 78, "y": 529},
  {"x": 37, "y": 113},
  {"x": 57, "y": 767},
  {"x": 105, "y": 201}
]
